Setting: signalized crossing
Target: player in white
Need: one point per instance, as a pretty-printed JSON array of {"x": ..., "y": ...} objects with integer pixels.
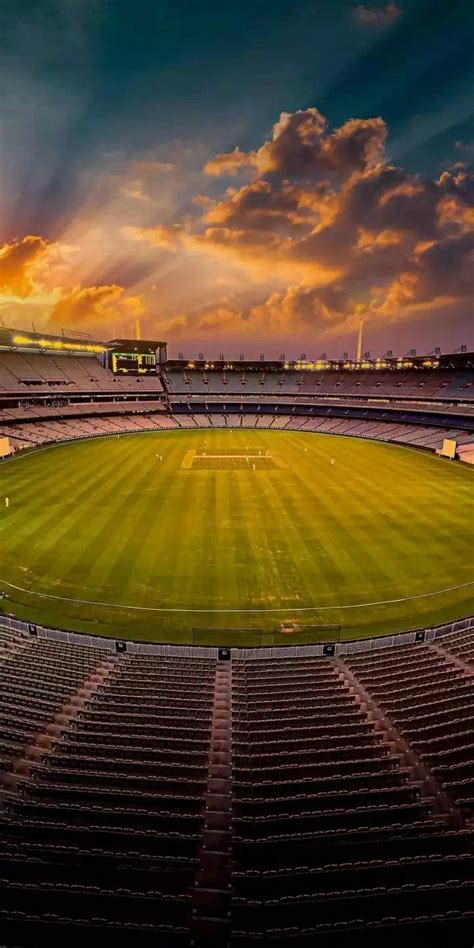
[
  {"x": 332, "y": 462},
  {"x": 253, "y": 466},
  {"x": 7, "y": 502}
]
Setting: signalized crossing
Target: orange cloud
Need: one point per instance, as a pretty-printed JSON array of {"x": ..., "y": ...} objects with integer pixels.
[
  {"x": 369, "y": 240},
  {"x": 94, "y": 305},
  {"x": 325, "y": 222},
  {"x": 31, "y": 273},
  {"x": 453, "y": 214},
  {"x": 17, "y": 262},
  {"x": 230, "y": 163},
  {"x": 406, "y": 188},
  {"x": 301, "y": 147}
]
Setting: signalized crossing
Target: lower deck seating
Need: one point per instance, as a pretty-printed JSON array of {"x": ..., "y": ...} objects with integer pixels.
[
  {"x": 103, "y": 802},
  {"x": 31, "y": 431},
  {"x": 460, "y": 644},
  {"x": 350, "y": 812},
  {"x": 334, "y": 833}
]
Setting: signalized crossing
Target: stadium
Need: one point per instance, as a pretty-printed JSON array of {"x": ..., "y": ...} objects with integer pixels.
[
  {"x": 222, "y": 521},
  {"x": 237, "y": 636}
]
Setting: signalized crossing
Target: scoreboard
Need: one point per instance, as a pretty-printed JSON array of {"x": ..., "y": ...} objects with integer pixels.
[
  {"x": 133, "y": 363},
  {"x": 135, "y": 356}
]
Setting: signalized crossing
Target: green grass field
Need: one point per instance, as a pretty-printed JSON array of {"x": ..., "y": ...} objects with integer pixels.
[{"x": 210, "y": 543}]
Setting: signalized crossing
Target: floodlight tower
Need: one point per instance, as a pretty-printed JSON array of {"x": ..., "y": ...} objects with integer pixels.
[{"x": 359, "y": 340}]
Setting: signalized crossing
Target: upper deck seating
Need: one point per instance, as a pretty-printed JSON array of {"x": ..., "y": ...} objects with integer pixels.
[
  {"x": 420, "y": 384},
  {"x": 35, "y": 373}
]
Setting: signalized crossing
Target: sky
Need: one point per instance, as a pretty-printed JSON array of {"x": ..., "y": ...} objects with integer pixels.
[{"x": 248, "y": 178}]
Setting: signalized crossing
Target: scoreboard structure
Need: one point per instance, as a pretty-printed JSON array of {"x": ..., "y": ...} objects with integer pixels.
[{"x": 135, "y": 356}]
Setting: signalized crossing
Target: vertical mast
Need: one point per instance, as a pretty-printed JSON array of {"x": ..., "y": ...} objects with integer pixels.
[{"x": 359, "y": 341}]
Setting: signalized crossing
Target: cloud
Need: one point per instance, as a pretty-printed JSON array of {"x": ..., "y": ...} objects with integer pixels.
[
  {"x": 17, "y": 262},
  {"x": 377, "y": 16},
  {"x": 322, "y": 224},
  {"x": 326, "y": 225},
  {"x": 258, "y": 206},
  {"x": 134, "y": 189},
  {"x": 230, "y": 163},
  {"x": 304, "y": 309},
  {"x": 301, "y": 147},
  {"x": 94, "y": 306},
  {"x": 31, "y": 273}
]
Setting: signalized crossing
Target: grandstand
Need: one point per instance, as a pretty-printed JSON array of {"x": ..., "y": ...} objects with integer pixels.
[
  {"x": 413, "y": 383},
  {"x": 65, "y": 375},
  {"x": 47, "y": 383}
]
